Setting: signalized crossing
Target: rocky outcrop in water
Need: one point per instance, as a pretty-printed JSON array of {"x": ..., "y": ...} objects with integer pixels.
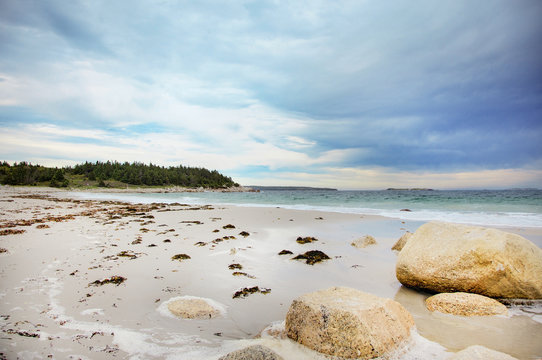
[{"x": 445, "y": 257}]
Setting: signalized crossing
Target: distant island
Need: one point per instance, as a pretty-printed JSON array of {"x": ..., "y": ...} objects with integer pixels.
[
  {"x": 113, "y": 175},
  {"x": 409, "y": 189},
  {"x": 288, "y": 188}
]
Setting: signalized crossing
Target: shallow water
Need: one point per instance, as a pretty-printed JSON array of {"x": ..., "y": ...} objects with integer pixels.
[{"x": 481, "y": 207}]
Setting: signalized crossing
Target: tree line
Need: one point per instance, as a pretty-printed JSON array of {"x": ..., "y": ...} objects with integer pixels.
[{"x": 135, "y": 173}]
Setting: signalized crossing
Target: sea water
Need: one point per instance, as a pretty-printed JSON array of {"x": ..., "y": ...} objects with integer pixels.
[{"x": 506, "y": 208}]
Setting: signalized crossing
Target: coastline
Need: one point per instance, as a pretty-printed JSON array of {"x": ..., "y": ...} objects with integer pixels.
[
  {"x": 130, "y": 189},
  {"x": 46, "y": 273}
]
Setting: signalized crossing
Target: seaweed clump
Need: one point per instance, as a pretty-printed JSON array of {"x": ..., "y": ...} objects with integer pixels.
[
  {"x": 285, "y": 252},
  {"x": 306, "y": 240},
  {"x": 128, "y": 254},
  {"x": 312, "y": 257},
  {"x": 229, "y": 226},
  {"x": 180, "y": 257},
  {"x": 11, "y": 232},
  {"x": 2, "y": 250},
  {"x": 115, "y": 279},
  {"x": 235, "y": 267},
  {"x": 240, "y": 273},
  {"x": 244, "y": 233},
  {"x": 252, "y": 290}
]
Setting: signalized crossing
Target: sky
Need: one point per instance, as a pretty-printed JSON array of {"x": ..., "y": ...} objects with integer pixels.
[{"x": 344, "y": 94}]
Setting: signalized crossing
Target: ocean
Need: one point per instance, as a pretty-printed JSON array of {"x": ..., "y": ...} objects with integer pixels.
[{"x": 506, "y": 208}]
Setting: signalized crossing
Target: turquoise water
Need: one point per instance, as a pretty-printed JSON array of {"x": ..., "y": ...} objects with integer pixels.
[{"x": 482, "y": 207}]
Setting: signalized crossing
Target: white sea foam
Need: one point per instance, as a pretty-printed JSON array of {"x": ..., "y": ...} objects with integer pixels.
[
  {"x": 533, "y": 311},
  {"x": 92, "y": 312}
]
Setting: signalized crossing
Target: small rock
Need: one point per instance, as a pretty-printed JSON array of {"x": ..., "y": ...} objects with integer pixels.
[
  {"x": 255, "y": 352},
  {"x": 363, "y": 242},
  {"x": 465, "y": 304},
  {"x": 193, "y": 308},
  {"x": 401, "y": 242},
  {"x": 285, "y": 252}
]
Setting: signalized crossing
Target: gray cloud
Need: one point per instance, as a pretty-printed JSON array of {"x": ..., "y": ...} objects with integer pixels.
[{"x": 426, "y": 85}]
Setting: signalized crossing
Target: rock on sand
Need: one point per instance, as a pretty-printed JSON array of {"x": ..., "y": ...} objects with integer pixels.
[
  {"x": 255, "y": 352},
  {"x": 189, "y": 307},
  {"x": 465, "y": 304},
  {"x": 364, "y": 242},
  {"x": 402, "y": 241},
  {"x": 478, "y": 352},
  {"x": 446, "y": 257},
  {"x": 348, "y": 323}
]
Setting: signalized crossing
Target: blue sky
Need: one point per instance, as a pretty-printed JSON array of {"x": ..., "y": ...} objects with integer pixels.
[{"x": 347, "y": 94}]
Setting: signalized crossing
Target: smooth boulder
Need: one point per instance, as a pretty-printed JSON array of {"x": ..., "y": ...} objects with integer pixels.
[
  {"x": 348, "y": 323},
  {"x": 444, "y": 257},
  {"x": 465, "y": 304},
  {"x": 478, "y": 352},
  {"x": 255, "y": 352}
]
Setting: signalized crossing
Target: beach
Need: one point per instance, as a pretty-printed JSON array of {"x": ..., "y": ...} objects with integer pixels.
[{"x": 59, "y": 250}]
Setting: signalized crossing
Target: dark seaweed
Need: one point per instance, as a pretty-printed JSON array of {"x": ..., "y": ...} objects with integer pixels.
[{"x": 312, "y": 257}]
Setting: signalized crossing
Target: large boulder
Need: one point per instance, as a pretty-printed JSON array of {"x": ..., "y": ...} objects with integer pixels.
[
  {"x": 465, "y": 304},
  {"x": 445, "y": 257},
  {"x": 348, "y": 323},
  {"x": 254, "y": 352},
  {"x": 478, "y": 352}
]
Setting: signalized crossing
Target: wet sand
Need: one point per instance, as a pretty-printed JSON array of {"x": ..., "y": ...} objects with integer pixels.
[{"x": 49, "y": 307}]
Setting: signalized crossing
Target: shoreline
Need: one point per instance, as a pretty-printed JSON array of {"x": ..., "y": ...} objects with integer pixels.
[
  {"x": 133, "y": 189},
  {"x": 47, "y": 271}
]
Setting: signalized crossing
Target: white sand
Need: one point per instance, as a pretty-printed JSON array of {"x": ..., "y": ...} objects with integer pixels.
[{"x": 46, "y": 272}]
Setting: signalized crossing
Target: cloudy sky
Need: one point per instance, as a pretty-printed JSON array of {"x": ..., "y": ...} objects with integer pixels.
[{"x": 347, "y": 94}]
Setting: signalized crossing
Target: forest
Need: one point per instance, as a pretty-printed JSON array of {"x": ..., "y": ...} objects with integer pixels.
[{"x": 112, "y": 174}]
